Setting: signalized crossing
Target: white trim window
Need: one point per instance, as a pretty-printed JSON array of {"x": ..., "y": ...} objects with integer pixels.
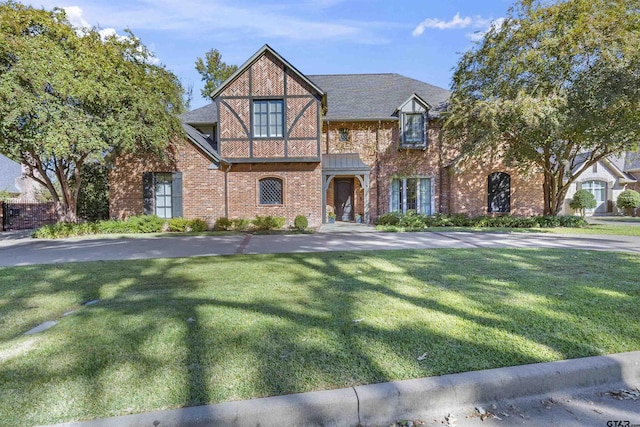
[{"x": 411, "y": 194}]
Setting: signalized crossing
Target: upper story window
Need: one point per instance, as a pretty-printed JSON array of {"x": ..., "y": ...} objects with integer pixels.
[
  {"x": 413, "y": 129},
  {"x": 268, "y": 118}
]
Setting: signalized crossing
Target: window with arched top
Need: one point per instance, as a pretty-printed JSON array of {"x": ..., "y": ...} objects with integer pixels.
[
  {"x": 499, "y": 193},
  {"x": 271, "y": 191}
]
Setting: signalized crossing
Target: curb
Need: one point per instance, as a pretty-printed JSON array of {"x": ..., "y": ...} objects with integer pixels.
[{"x": 380, "y": 404}]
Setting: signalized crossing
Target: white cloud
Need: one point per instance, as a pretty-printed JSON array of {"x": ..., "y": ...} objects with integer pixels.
[
  {"x": 478, "y": 35},
  {"x": 74, "y": 14},
  {"x": 230, "y": 20},
  {"x": 456, "y": 22}
]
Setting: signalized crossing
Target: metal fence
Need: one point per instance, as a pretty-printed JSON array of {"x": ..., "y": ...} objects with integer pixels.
[{"x": 21, "y": 215}]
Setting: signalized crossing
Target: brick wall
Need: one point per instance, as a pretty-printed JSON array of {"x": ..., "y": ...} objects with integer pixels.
[
  {"x": 202, "y": 188},
  {"x": 462, "y": 189},
  {"x": 302, "y": 184},
  {"x": 468, "y": 188},
  {"x": 377, "y": 144}
]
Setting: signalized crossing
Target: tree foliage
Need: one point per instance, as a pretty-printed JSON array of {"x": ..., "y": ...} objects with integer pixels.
[
  {"x": 628, "y": 200},
  {"x": 555, "y": 87},
  {"x": 583, "y": 200},
  {"x": 71, "y": 97},
  {"x": 214, "y": 71}
]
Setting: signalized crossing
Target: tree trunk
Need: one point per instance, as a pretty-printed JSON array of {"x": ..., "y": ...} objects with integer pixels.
[{"x": 65, "y": 212}]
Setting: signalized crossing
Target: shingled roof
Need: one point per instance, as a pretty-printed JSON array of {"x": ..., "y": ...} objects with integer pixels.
[
  {"x": 356, "y": 97},
  {"x": 201, "y": 116},
  {"x": 375, "y": 96}
]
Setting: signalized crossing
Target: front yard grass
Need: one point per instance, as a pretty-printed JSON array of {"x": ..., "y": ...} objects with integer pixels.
[
  {"x": 601, "y": 229},
  {"x": 168, "y": 333}
]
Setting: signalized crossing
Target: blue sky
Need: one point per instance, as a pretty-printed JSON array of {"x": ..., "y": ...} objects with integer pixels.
[{"x": 422, "y": 39}]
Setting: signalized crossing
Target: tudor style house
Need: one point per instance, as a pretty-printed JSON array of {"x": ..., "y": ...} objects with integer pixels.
[{"x": 281, "y": 143}]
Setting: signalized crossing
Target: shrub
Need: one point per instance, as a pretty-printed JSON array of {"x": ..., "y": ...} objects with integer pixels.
[
  {"x": 112, "y": 226},
  {"x": 145, "y": 224},
  {"x": 628, "y": 200},
  {"x": 198, "y": 225},
  {"x": 572, "y": 221},
  {"x": 582, "y": 200},
  {"x": 412, "y": 221},
  {"x": 65, "y": 229},
  {"x": 93, "y": 198},
  {"x": 300, "y": 222},
  {"x": 268, "y": 222},
  {"x": 179, "y": 225},
  {"x": 390, "y": 218},
  {"x": 223, "y": 223},
  {"x": 240, "y": 224}
]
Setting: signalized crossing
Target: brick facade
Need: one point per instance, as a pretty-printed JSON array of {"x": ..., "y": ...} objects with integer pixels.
[
  {"x": 467, "y": 189},
  {"x": 230, "y": 187},
  {"x": 463, "y": 190},
  {"x": 202, "y": 188},
  {"x": 301, "y": 184}
]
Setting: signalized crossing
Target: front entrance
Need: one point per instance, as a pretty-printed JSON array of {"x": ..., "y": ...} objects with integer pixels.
[
  {"x": 599, "y": 191},
  {"x": 343, "y": 199}
]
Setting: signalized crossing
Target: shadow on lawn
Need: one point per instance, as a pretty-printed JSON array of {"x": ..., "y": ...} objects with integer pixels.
[{"x": 164, "y": 337}]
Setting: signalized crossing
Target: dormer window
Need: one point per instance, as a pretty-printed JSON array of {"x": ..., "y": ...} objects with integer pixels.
[
  {"x": 413, "y": 129},
  {"x": 412, "y": 115}
]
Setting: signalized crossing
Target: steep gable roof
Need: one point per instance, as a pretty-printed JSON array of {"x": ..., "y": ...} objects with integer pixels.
[
  {"x": 375, "y": 96},
  {"x": 263, "y": 50},
  {"x": 200, "y": 141}
]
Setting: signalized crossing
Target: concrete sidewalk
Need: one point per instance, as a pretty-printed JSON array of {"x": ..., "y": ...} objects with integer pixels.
[
  {"x": 27, "y": 251},
  {"x": 565, "y": 393}
]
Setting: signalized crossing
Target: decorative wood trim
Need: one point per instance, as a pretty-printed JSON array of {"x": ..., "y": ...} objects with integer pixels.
[
  {"x": 273, "y": 160},
  {"x": 244, "y": 126},
  {"x": 300, "y": 114}
]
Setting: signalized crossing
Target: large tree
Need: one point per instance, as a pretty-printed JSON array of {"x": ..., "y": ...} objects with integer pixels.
[
  {"x": 213, "y": 71},
  {"x": 71, "y": 97},
  {"x": 555, "y": 87}
]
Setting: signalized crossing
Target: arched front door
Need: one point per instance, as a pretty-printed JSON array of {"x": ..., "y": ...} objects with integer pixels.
[{"x": 343, "y": 198}]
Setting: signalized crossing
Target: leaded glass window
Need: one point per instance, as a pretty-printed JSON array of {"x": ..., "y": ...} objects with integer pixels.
[{"x": 271, "y": 191}]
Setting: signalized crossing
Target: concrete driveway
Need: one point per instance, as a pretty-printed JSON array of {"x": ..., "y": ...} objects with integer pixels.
[{"x": 26, "y": 251}]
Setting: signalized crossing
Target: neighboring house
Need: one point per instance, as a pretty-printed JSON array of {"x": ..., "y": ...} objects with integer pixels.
[
  {"x": 278, "y": 142},
  {"x": 13, "y": 180},
  {"x": 606, "y": 179}
]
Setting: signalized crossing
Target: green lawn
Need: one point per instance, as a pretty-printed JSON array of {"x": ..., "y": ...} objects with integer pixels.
[
  {"x": 602, "y": 229},
  {"x": 176, "y": 332}
]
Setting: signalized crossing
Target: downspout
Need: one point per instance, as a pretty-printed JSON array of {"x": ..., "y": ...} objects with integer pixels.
[
  {"x": 327, "y": 142},
  {"x": 226, "y": 191},
  {"x": 378, "y": 169}
]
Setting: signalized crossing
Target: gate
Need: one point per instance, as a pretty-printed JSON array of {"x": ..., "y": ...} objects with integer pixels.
[{"x": 18, "y": 215}]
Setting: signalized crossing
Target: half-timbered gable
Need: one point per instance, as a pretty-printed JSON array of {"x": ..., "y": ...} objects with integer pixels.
[{"x": 268, "y": 112}]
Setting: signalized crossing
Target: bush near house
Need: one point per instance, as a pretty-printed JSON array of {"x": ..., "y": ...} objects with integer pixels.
[
  {"x": 412, "y": 221},
  {"x": 268, "y": 222},
  {"x": 628, "y": 200},
  {"x": 582, "y": 200},
  {"x": 301, "y": 222},
  {"x": 133, "y": 224}
]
